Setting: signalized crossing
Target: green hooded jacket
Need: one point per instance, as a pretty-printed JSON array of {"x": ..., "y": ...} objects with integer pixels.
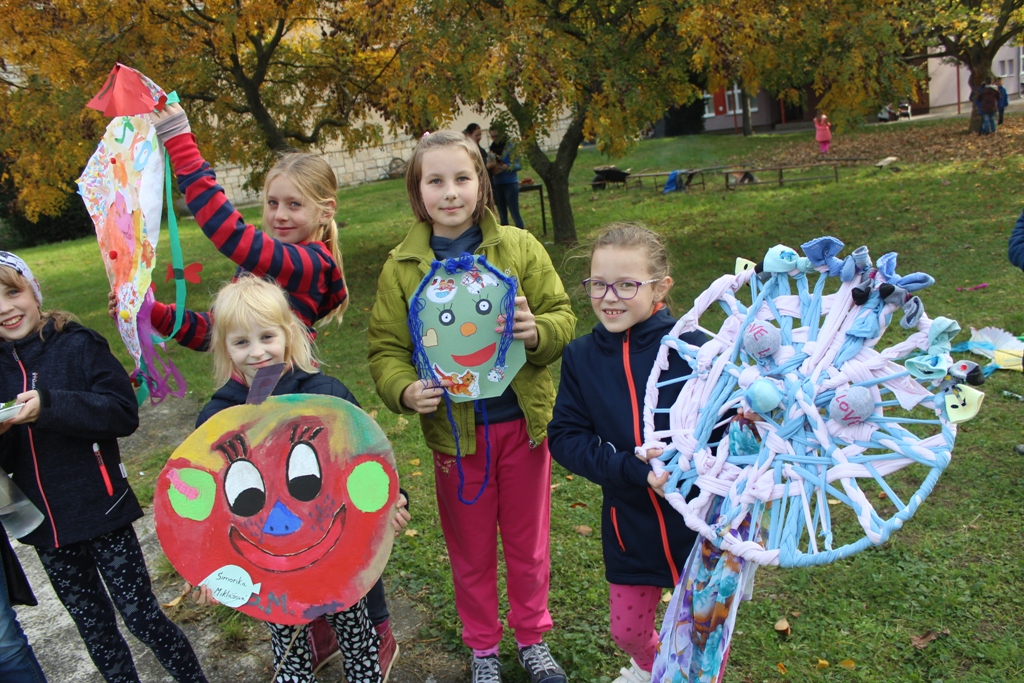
[{"x": 510, "y": 250}]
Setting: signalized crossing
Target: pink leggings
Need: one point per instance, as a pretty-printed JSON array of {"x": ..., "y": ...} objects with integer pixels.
[
  {"x": 823, "y": 146},
  {"x": 632, "y": 621}
]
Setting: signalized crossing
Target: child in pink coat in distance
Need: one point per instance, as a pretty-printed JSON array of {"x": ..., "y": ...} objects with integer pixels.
[{"x": 823, "y": 132}]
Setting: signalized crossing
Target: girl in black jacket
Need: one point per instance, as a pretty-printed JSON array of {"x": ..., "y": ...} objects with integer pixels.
[
  {"x": 597, "y": 425},
  {"x": 62, "y": 451}
]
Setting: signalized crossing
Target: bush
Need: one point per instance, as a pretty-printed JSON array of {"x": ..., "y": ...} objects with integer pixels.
[{"x": 70, "y": 223}]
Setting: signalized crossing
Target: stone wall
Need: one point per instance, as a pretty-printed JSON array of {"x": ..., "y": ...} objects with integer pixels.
[{"x": 366, "y": 164}]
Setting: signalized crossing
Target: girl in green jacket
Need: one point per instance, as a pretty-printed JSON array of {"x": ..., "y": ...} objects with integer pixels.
[{"x": 451, "y": 199}]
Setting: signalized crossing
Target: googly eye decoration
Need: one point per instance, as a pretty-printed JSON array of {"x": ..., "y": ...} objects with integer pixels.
[
  {"x": 282, "y": 509},
  {"x": 840, "y": 437}
]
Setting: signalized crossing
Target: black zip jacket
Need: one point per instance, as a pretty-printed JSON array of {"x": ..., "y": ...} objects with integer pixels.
[
  {"x": 234, "y": 393},
  {"x": 86, "y": 398},
  {"x": 596, "y": 425}
]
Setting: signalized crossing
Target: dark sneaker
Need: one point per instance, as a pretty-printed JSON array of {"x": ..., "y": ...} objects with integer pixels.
[
  {"x": 486, "y": 669},
  {"x": 540, "y": 666}
]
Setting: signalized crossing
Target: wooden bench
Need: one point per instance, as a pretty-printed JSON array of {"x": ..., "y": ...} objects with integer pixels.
[
  {"x": 692, "y": 177},
  {"x": 781, "y": 179}
]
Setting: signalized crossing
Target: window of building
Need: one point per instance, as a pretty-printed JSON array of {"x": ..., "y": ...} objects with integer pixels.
[
  {"x": 732, "y": 96},
  {"x": 709, "y": 105}
]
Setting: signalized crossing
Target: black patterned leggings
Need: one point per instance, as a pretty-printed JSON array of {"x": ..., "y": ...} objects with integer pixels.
[
  {"x": 357, "y": 640},
  {"x": 75, "y": 572}
]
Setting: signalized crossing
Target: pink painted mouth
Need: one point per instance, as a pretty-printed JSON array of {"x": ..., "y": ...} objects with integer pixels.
[
  {"x": 289, "y": 562},
  {"x": 477, "y": 357}
]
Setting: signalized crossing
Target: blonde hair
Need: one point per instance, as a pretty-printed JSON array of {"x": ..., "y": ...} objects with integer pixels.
[
  {"x": 248, "y": 301},
  {"x": 12, "y": 279},
  {"x": 414, "y": 173},
  {"x": 315, "y": 179},
  {"x": 636, "y": 236}
]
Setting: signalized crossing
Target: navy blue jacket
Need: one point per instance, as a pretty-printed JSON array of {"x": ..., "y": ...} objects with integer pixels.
[
  {"x": 596, "y": 425},
  {"x": 234, "y": 392},
  {"x": 1017, "y": 243},
  {"x": 86, "y": 398}
]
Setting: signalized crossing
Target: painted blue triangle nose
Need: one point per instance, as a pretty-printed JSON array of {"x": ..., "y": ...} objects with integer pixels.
[{"x": 281, "y": 521}]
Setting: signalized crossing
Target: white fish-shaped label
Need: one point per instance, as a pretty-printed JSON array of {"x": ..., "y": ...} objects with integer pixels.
[{"x": 231, "y": 585}]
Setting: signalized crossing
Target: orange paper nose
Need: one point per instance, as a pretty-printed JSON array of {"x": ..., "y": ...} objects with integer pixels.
[{"x": 467, "y": 329}]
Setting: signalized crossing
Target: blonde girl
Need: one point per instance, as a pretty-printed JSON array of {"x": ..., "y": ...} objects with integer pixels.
[
  {"x": 298, "y": 247},
  {"x": 451, "y": 200},
  {"x": 254, "y": 328}
]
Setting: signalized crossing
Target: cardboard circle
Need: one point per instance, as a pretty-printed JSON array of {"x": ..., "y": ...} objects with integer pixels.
[{"x": 283, "y": 509}]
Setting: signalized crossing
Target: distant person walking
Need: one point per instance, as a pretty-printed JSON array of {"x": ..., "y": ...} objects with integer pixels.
[
  {"x": 504, "y": 179},
  {"x": 823, "y": 132},
  {"x": 988, "y": 105},
  {"x": 1004, "y": 100},
  {"x": 475, "y": 133}
]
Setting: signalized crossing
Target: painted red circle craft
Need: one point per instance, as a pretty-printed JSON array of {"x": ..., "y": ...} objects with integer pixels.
[{"x": 282, "y": 509}]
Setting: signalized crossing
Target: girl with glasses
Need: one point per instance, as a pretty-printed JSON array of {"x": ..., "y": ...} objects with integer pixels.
[{"x": 597, "y": 424}]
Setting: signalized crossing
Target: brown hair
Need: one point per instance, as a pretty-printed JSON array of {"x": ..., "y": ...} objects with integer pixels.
[
  {"x": 447, "y": 138},
  {"x": 12, "y": 279},
  {"x": 315, "y": 179},
  {"x": 250, "y": 300},
  {"x": 636, "y": 236}
]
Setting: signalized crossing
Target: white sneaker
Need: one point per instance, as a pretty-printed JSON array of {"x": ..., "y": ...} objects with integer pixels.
[{"x": 634, "y": 674}]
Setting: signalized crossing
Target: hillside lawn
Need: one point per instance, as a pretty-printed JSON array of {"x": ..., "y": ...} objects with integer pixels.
[{"x": 956, "y": 569}]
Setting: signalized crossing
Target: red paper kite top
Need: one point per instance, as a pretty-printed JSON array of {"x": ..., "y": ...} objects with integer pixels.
[{"x": 127, "y": 92}]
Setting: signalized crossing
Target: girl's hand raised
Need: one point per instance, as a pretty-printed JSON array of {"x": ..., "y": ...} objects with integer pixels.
[
  {"x": 424, "y": 396},
  {"x": 524, "y": 325},
  {"x": 170, "y": 122}
]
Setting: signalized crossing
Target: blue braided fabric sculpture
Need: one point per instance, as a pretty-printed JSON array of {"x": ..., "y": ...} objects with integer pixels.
[{"x": 813, "y": 421}]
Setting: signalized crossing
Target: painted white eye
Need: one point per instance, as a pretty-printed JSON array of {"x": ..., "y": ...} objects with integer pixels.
[
  {"x": 304, "y": 476},
  {"x": 447, "y": 317},
  {"x": 244, "y": 488},
  {"x": 483, "y": 307}
]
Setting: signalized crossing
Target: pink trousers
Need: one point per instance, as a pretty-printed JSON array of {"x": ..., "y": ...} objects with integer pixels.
[
  {"x": 632, "y": 616},
  {"x": 517, "y": 499}
]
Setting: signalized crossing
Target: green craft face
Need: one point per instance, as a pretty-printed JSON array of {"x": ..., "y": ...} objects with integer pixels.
[{"x": 459, "y": 322}]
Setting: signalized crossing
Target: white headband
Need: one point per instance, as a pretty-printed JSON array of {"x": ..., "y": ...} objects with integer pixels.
[{"x": 11, "y": 261}]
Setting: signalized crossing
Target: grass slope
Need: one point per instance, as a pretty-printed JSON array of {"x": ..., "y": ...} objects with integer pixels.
[{"x": 957, "y": 565}]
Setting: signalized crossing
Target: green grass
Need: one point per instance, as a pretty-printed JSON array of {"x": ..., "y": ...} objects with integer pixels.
[{"x": 957, "y": 565}]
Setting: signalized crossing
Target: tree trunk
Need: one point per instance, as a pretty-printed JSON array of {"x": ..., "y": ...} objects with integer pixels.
[
  {"x": 979, "y": 66},
  {"x": 555, "y": 175},
  {"x": 748, "y": 128}
]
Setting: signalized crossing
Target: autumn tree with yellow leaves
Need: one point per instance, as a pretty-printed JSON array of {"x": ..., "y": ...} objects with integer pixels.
[{"x": 255, "y": 76}]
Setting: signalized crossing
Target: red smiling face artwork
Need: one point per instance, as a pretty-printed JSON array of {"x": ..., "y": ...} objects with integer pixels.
[{"x": 285, "y": 507}]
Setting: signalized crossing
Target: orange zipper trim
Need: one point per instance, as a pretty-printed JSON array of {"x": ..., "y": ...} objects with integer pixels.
[
  {"x": 35, "y": 458},
  {"x": 615, "y": 525},
  {"x": 636, "y": 435}
]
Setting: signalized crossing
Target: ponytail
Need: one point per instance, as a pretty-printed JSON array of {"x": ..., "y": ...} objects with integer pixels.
[{"x": 328, "y": 234}]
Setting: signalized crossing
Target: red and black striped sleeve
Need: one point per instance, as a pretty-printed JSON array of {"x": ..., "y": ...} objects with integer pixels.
[
  {"x": 307, "y": 272},
  {"x": 194, "y": 332}
]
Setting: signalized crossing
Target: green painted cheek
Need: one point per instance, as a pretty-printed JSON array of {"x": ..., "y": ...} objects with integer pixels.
[
  {"x": 369, "y": 486},
  {"x": 192, "y": 493}
]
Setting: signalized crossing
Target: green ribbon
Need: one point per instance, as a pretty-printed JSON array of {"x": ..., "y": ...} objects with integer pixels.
[{"x": 177, "y": 260}]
